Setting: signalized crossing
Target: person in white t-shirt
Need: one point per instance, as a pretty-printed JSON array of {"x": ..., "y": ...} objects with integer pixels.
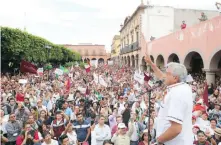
[
  {"x": 48, "y": 140},
  {"x": 174, "y": 124}
]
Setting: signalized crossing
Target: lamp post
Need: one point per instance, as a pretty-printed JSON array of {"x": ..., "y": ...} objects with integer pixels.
[{"x": 48, "y": 51}]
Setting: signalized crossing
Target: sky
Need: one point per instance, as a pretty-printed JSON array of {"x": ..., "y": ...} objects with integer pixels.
[{"x": 79, "y": 21}]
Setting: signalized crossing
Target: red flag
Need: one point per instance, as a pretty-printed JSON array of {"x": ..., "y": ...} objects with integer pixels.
[
  {"x": 146, "y": 77},
  {"x": 205, "y": 95},
  {"x": 87, "y": 91},
  {"x": 68, "y": 85},
  {"x": 26, "y": 66},
  {"x": 20, "y": 97}
]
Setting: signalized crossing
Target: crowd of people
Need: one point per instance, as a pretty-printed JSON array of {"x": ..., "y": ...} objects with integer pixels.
[{"x": 102, "y": 107}]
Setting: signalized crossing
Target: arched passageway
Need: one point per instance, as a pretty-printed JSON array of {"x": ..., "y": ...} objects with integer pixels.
[
  {"x": 152, "y": 58},
  {"x": 100, "y": 60},
  {"x": 194, "y": 62},
  {"x": 137, "y": 61},
  {"x": 215, "y": 62},
  {"x": 128, "y": 60},
  {"x": 160, "y": 62},
  {"x": 173, "y": 58},
  {"x": 133, "y": 61},
  {"x": 144, "y": 64},
  {"x": 125, "y": 60}
]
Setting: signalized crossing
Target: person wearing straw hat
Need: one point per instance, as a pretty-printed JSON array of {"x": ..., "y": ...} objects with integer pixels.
[{"x": 217, "y": 136}]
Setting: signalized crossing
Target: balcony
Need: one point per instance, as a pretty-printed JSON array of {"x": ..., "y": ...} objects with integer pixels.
[{"x": 130, "y": 48}]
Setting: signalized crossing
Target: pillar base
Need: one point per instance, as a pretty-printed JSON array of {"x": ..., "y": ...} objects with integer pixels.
[{"x": 210, "y": 76}]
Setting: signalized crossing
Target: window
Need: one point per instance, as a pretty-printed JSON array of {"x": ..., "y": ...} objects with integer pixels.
[
  {"x": 137, "y": 35},
  {"x": 127, "y": 39},
  {"x": 132, "y": 36}
]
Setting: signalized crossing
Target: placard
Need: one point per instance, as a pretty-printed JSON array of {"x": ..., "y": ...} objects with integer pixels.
[
  {"x": 58, "y": 71},
  {"x": 23, "y": 81}
]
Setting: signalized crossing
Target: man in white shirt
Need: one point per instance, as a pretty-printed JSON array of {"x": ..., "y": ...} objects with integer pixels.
[
  {"x": 102, "y": 131},
  {"x": 174, "y": 125}
]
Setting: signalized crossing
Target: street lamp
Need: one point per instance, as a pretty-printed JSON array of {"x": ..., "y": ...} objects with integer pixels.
[{"x": 48, "y": 51}]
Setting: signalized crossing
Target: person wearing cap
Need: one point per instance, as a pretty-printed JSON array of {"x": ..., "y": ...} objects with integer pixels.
[
  {"x": 196, "y": 128},
  {"x": 122, "y": 136},
  {"x": 174, "y": 124},
  {"x": 145, "y": 139}
]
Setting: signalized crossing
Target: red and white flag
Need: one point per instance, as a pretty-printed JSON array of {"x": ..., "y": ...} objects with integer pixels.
[{"x": 40, "y": 71}]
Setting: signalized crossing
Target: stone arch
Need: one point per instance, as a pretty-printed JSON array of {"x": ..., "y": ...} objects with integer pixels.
[
  {"x": 93, "y": 59},
  {"x": 100, "y": 60},
  {"x": 152, "y": 58},
  {"x": 128, "y": 60},
  {"x": 133, "y": 60},
  {"x": 215, "y": 62},
  {"x": 173, "y": 58},
  {"x": 86, "y": 60},
  {"x": 194, "y": 62},
  {"x": 125, "y": 60},
  {"x": 160, "y": 61},
  {"x": 144, "y": 64}
]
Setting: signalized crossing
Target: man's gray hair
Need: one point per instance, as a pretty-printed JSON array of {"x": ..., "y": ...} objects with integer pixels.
[{"x": 178, "y": 70}]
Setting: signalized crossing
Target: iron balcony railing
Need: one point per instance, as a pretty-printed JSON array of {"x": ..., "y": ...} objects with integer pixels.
[{"x": 130, "y": 48}]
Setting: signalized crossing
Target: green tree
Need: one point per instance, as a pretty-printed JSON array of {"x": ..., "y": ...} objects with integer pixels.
[{"x": 17, "y": 45}]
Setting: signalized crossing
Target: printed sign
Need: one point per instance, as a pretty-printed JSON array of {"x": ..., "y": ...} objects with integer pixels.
[
  {"x": 110, "y": 62},
  {"x": 40, "y": 71},
  {"x": 58, "y": 71},
  {"x": 23, "y": 81},
  {"x": 139, "y": 78}
]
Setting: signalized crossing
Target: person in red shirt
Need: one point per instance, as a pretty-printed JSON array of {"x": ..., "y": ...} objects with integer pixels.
[
  {"x": 28, "y": 136},
  {"x": 183, "y": 26}
]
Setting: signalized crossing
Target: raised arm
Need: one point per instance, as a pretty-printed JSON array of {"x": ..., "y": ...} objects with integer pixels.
[{"x": 159, "y": 74}]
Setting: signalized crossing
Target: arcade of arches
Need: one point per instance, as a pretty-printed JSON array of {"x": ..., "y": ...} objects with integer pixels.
[
  {"x": 100, "y": 60},
  {"x": 193, "y": 61}
]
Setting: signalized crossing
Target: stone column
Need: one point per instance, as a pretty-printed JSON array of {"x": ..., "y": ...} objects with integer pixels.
[
  {"x": 210, "y": 76},
  {"x": 136, "y": 63}
]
